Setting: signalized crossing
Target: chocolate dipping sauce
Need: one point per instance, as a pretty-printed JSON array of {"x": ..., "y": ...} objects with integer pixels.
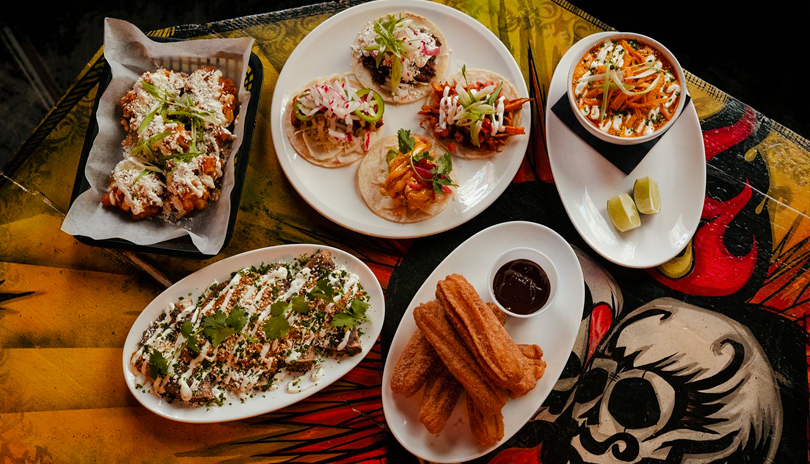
[{"x": 521, "y": 286}]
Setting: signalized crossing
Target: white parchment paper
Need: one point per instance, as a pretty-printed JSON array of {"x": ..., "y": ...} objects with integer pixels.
[{"x": 130, "y": 53}]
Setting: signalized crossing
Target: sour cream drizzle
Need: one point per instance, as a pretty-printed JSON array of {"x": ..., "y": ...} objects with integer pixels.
[{"x": 254, "y": 293}]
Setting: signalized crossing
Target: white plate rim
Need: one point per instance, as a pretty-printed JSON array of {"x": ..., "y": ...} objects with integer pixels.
[
  {"x": 196, "y": 282},
  {"x": 556, "y": 357},
  {"x": 455, "y": 214},
  {"x": 686, "y": 220}
]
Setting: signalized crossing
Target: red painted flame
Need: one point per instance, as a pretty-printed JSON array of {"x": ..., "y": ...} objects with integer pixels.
[
  {"x": 601, "y": 320},
  {"x": 716, "y": 271}
]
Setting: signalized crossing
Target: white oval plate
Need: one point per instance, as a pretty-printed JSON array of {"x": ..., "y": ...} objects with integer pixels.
[
  {"x": 197, "y": 282},
  {"x": 554, "y": 331},
  {"x": 333, "y": 192},
  {"x": 585, "y": 181}
]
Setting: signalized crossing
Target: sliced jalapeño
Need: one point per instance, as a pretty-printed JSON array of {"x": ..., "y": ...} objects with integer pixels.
[{"x": 378, "y": 108}]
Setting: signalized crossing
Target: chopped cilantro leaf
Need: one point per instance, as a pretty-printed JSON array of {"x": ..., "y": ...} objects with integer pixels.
[
  {"x": 300, "y": 305},
  {"x": 279, "y": 307},
  {"x": 216, "y": 328},
  {"x": 323, "y": 290},
  {"x": 276, "y": 327},
  {"x": 406, "y": 140},
  {"x": 158, "y": 365},
  {"x": 237, "y": 319}
]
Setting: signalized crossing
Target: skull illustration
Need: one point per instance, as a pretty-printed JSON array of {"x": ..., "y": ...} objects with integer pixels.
[{"x": 676, "y": 383}]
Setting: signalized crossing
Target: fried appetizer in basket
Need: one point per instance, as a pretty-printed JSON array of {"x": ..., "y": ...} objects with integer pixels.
[
  {"x": 403, "y": 180},
  {"x": 178, "y": 138},
  {"x": 400, "y": 55},
  {"x": 333, "y": 122},
  {"x": 474, "y": 113}
]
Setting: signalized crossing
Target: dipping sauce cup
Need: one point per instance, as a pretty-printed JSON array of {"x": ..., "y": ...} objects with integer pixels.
[{"x": 523, "y": 282}]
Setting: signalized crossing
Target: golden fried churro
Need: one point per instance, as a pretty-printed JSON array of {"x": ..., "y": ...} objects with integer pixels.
[
  {"x": 413, "y": 366},
  {"x": 486, "y": 428},
  {"x": 432, "y": 320},
  {"x": 441, "y": 394},
  {"x": 442, "y": 390},
  {"x": 500, "y": 315},
  {"x": 481, "y": 331},
  {"x": 535, "y": 368}
]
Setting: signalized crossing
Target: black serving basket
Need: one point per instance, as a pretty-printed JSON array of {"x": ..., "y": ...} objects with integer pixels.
[{"x": 181, "y": 246}]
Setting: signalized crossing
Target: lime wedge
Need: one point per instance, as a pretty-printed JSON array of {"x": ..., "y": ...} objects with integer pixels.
[
  {"x": 623, "y": 212},
  {"x": 645, "y": 193}
]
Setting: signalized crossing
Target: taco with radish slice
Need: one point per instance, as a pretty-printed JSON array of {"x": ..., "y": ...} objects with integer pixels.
[{"x": 334, "y": 121}]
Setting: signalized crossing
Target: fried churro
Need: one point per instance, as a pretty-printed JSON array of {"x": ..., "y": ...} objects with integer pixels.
[
  {"x": 432, "y": 320},
  {"x": 441, "y": 394},
  {"x": 460, "y": 344},
  {"x": 486, "y": 428},
  {"x": 414, "y": 365},
  {"x": 487, "y": 339},
  {"x": 535, "y": 368}
]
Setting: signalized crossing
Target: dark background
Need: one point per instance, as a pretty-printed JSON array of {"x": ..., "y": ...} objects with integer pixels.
[{"x": 746, "y": 52}]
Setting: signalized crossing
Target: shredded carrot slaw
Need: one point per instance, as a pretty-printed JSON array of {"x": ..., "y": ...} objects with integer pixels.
[{"x": 626, "y": 88}]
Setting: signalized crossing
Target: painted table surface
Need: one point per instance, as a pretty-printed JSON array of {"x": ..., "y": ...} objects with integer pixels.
[{"x": 701, "y": 358}]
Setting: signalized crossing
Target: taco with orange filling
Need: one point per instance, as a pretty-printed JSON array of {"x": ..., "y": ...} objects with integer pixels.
[
  {"x": 333, "y": 122},
  {"x": 474, "y": 113},
  {"x": 403, "y": 180}
]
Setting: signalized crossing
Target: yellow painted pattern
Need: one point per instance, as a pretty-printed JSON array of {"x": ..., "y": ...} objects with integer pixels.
[{"x": 62, "y": 392}]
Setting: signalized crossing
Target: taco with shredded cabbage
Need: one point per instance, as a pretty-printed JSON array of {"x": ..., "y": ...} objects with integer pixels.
[
  {"x": 402, "y": 179},
  {"x": 334, "y": 121},
  {"x": 400, "y": 55},
  {"x": 474, "y": 113}
]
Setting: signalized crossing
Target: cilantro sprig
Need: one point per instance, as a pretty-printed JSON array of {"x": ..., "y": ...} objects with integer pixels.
[
  {"x": 352, "y": 315},
  {"x": 387, "y": 42},
  {"x": 438, "y": 176},
  {"x": 219, "y": 326},
  {"x": 215, "y": 328},
  {"x": 158, "y": 365},
  {"x": 277, "y": 326}
]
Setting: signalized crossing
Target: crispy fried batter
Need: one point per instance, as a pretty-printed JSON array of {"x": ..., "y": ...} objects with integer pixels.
[
  {"x": 535, "y": 368},
  {"x": 442, "y": 359},
  {"x": 432, "y": 320},
  {"x": 486, "y": 428},
  {"x": 481, "y": 331},
  {"x": 441, "y": 394},
  {"x": 500, "y": 315},
  {"x": 414, "y": 365}
]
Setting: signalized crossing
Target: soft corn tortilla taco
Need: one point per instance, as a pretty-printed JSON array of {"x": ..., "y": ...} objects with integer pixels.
[
  {"x": 466, "y": 149},
  {"x": 371, "y": 180},
  {"x": 312, "y": 140},
  {"x": 426, "y": 61}
]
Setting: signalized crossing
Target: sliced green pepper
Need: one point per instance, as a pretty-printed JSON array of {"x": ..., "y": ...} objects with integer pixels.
[
  {"x": 300, "y": 114},
  {"x": 378, "y": 102}
]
